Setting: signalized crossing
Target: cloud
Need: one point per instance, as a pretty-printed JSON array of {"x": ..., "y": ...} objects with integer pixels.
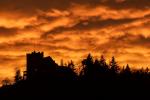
[
  {"x": 7, "y": 32},
  {"x": 140, "y": 41},
  {"x": 86, "y": 25},
  {"x": 127, "y": 4}
]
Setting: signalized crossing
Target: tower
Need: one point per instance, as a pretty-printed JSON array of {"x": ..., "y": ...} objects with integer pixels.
[{"x": 34, "y": 63}]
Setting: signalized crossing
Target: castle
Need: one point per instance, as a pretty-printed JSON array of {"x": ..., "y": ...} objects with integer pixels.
[{"x": 40, "y": 67}]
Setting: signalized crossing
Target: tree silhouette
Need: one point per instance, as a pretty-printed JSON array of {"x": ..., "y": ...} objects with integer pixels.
[
  {"x": 6, "y": 82},
  {"x": 71, "y": 65},
  {"x": 97, "y": 69},
  {"x": 18, "y": 76},
  {"x": 88, "y": 66},
  {"x": 126, "y": 72},
  {"x": 114, "y": 68},
  {"x": 147, "y": 70},
  {"x": 103, "y": 64}
]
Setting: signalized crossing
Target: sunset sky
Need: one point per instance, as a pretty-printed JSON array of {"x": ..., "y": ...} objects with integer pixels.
[{"x": 70, "y": 29}]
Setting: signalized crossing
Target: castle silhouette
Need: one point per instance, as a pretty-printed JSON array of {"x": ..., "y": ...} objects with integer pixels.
[{"x": 40, "y": 67}]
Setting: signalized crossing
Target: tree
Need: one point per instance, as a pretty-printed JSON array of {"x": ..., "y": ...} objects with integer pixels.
[
  {"x": 97, "y": 68},
  {"x": 127, "y": 71},
  {"x": 88, "y": 62},
  {"x": 18, "y": 76},
  {"x": 97, "y": 63},
  {"x": 71, "y": 65},
  {"x": 87, "y": 65},
  {"x": 114, "y": 68},
  {"x": 147, "y": 70},
  {"x": 6, "y": 82},
  {"x": 103, "y": 64},
  {"x": 102, "y": 61}
]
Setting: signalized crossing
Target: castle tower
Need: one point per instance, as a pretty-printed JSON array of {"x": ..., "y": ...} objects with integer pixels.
[{"x": 34, "y": 63}]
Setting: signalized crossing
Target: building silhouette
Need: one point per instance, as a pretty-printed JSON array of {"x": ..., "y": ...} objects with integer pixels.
[
  {"x": 44, "y": 68},
  {"x": 38, "y": 66}
]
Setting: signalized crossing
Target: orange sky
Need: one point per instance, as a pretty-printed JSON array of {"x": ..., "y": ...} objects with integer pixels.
[{"x": 70, "y": 29}]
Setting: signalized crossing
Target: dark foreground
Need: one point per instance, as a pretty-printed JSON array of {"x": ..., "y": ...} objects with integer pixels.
[{"x": 110, "y": 89}]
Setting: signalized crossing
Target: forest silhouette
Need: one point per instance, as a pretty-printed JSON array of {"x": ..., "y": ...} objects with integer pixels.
[{"x": 43, "y": 77}]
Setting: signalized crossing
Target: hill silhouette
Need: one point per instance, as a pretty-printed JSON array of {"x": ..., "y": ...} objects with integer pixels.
[{"x": 97, "y": 79}]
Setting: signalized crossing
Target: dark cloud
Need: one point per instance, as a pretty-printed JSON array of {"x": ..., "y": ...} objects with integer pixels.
[
  {"x": 88, "y": 42},
  {"x": 43, "y": 4},
  {"x": 127, "y": 4},
  {"x": 85, "y": 25},
  {"x": 4, "y": 59},
  {"x": 133, "y": 40},
  {"x": 141, "y": 41},
  {"x": 61, "y": 40},
  {"x": 46, "y": 18},
  {"x": 31, "y": 6},
  {"x": 7, "y": 32},
  {"x": 26, "y": 45},
  {"x": 116, "y": 44}
]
